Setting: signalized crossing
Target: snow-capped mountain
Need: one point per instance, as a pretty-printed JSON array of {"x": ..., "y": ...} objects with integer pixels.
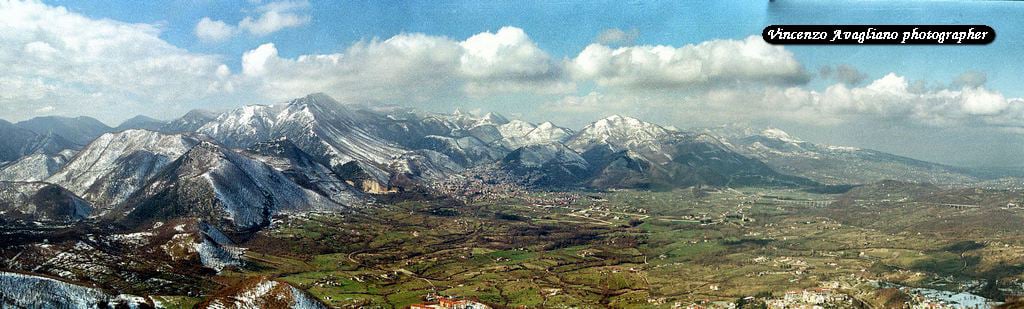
[
  {"x": 835, "y": 164},
  {"x": 487, "y": 133},
  {"x": 467, "y": 150},
  {"x": 368, "y": 149},
  {"x": 223, "y": 187},
  {"x": 518, "y": 133},
  {"x": 40, "y": 201},
  {"x": 317, "y": 124},
  {"x": 667, "y": 157},
  {"x": 190, "y": 122},
  {"x": 79, "y": 130},
  {"x": 115, "y": 165},
  {"x": 35, "y": 167},
  {"x": 620, "y": 133},
  {"x": 42, "y": 292},
  {"x": 469, "y": 120},
  {"x": 547, "y": 132},
  {"x": 46, "y": 155},
  {"x": 303, "y": 169},
  {"x": 515, "y": 129}
]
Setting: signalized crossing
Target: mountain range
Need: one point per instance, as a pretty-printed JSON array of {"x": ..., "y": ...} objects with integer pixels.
[
  {"x": 836, "y": 164},
  {"x": 237, "y": 169}
]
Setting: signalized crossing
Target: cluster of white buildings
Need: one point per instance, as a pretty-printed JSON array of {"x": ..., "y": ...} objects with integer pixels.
[
  {"x": 442, "y": 302},
  {"x": 815, "y": 298}
]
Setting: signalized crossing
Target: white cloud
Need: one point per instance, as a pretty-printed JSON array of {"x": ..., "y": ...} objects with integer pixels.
[
  {"x": 508, "y": 60},
  {"x": 981, "y": 101},
  {"x": 507, "y": 53},
  {"x": 894, "y": 98},
  {"x": 414, "y": 67},
  {"x": 407, "y": 66},
  {"x": 63, "y": 62},
  {"x": 272, "y": 17},
  {"x": 891, "y": 99},
  {"x": 254, "y": 62},
  {"x": 213, "y": 30},
  {"x": 692, "y": 66},
  {"x": 276, "y": 16}
]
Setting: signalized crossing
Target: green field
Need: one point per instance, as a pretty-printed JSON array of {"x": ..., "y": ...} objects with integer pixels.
[{"x": 625, "y": 249}]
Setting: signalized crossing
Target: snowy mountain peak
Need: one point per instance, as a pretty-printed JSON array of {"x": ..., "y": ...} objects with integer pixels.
[
  {"x": 190, "y": 122},
  {"x": 619, "y": 118},
  {"x": 115, "y": 165},
  {"x": 779, "y": 135},
  {"x": 317, "y": 99},
  {"x": 548, "y": 132},
  {"x": 618, "y": 131},
  {"x": 618, "y": 123},
  {"x": 547, "y": 125},
  {"x": 492, "y": 118},
  {"x": 317, "y": 124},
  {"x": 516, "y": 128},
  {"x": 472, "y": 121},
  {"x": 220, "y": 185}
]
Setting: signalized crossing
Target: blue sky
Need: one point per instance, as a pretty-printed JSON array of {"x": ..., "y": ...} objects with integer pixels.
[
  {"x": 565, "y": 28},
  {"x": 685, "y": 64}
]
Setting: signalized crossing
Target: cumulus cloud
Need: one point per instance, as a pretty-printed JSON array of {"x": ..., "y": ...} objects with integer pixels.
[
  {"x": 213, "y": 30},
  {"x": 411, "y": 67},
  {"x": 275, "y": 16},
  {"x": 893, "y": 97},
  {"x": 66, "y": 62},
  {"x": 271, "y": 17},
  {"x": 407, "y": 66},
  {"x": 508, "y": 60},
  {"x": 710, "y": 63},
  {"x": 616, "y": 36}
]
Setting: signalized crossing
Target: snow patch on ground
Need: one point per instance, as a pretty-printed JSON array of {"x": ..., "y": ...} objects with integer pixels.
[{"x": 42, "y": 292}]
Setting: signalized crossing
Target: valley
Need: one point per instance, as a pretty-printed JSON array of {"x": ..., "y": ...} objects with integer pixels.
[
  {"x": 602, "y": 249},
  {"x": 312, "y": 203}
]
